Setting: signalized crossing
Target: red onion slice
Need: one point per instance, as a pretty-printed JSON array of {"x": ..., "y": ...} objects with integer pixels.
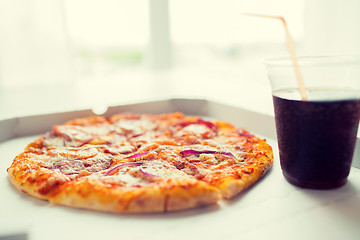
[
  {"x": 148, "y": 174},
  {"x": 245, "y": 134},
  {"x": 195, "y": 152},
  {"x": 56, "y": 131},
  {"x": 136, "y": 135},
  {"x": 85, "y": 142},
  {"x": 130, "y": 164},
  {"x": 74, "y": 159},
  {"x": 208, "y": 124}
]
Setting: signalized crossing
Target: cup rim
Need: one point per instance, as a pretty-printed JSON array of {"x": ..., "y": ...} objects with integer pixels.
[{"x": 312, "y": 60}]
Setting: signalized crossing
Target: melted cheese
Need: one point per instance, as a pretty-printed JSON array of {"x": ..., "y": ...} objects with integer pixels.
[
  {"x": 73, "y": 166},
  {"x": 74, "y": 152},
  {"x": 54, "y": 142},
  {"x": 72, "y": 136},
  {"x": 134, "y": 126},
  {"x": 131, "y": 175},
  {"x": 163, "y": 169},
  {"x": 196, "y": 129},
  {"x": 123, "y": 179},
  {"x": 134, "y": 135}
]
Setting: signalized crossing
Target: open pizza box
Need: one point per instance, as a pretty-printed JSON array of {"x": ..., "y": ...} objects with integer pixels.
[{"x": 271, "y": 208}]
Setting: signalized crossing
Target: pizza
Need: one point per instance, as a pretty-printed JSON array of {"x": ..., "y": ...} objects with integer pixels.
[{"x": 137, "y": 163}]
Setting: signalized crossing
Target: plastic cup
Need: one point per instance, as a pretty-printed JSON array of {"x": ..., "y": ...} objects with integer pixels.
[{"x": 317, "y": 136}]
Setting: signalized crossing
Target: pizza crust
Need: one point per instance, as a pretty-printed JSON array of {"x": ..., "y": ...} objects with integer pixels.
[
  {"x": 171, "y": 196},
  {"x": 26, "y": 175}
]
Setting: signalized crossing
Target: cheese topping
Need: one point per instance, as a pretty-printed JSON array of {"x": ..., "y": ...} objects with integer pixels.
[
  {"x": 195, "y": 128},
  {"x": 173, "y": 151},
  {"x": 134, "y": 126},
  {"x": 73, "y": 152},
  {"x": 74, "y": 165},
  {"x": 74, "y": 136},
  {"x": 147, "y": 173}
]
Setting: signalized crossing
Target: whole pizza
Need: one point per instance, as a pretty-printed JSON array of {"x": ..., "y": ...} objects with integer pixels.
[{"x": 140, "y": 163}]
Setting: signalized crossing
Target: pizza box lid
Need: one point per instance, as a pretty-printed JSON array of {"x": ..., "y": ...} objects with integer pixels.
[{"x": 271, "y": 208}]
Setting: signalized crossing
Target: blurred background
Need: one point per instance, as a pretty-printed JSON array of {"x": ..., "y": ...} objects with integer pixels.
[{"x": 58, "y": 55}]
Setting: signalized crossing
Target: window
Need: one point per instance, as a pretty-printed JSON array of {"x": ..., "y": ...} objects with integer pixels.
[
  {"x": 221, "y": 22},
  {"x": 107, "y": 35},
  {"x": 50, "y": 42}
]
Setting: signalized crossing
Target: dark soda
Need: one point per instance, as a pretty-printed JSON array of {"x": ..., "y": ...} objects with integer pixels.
[{"x": 316, "y": 137}]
